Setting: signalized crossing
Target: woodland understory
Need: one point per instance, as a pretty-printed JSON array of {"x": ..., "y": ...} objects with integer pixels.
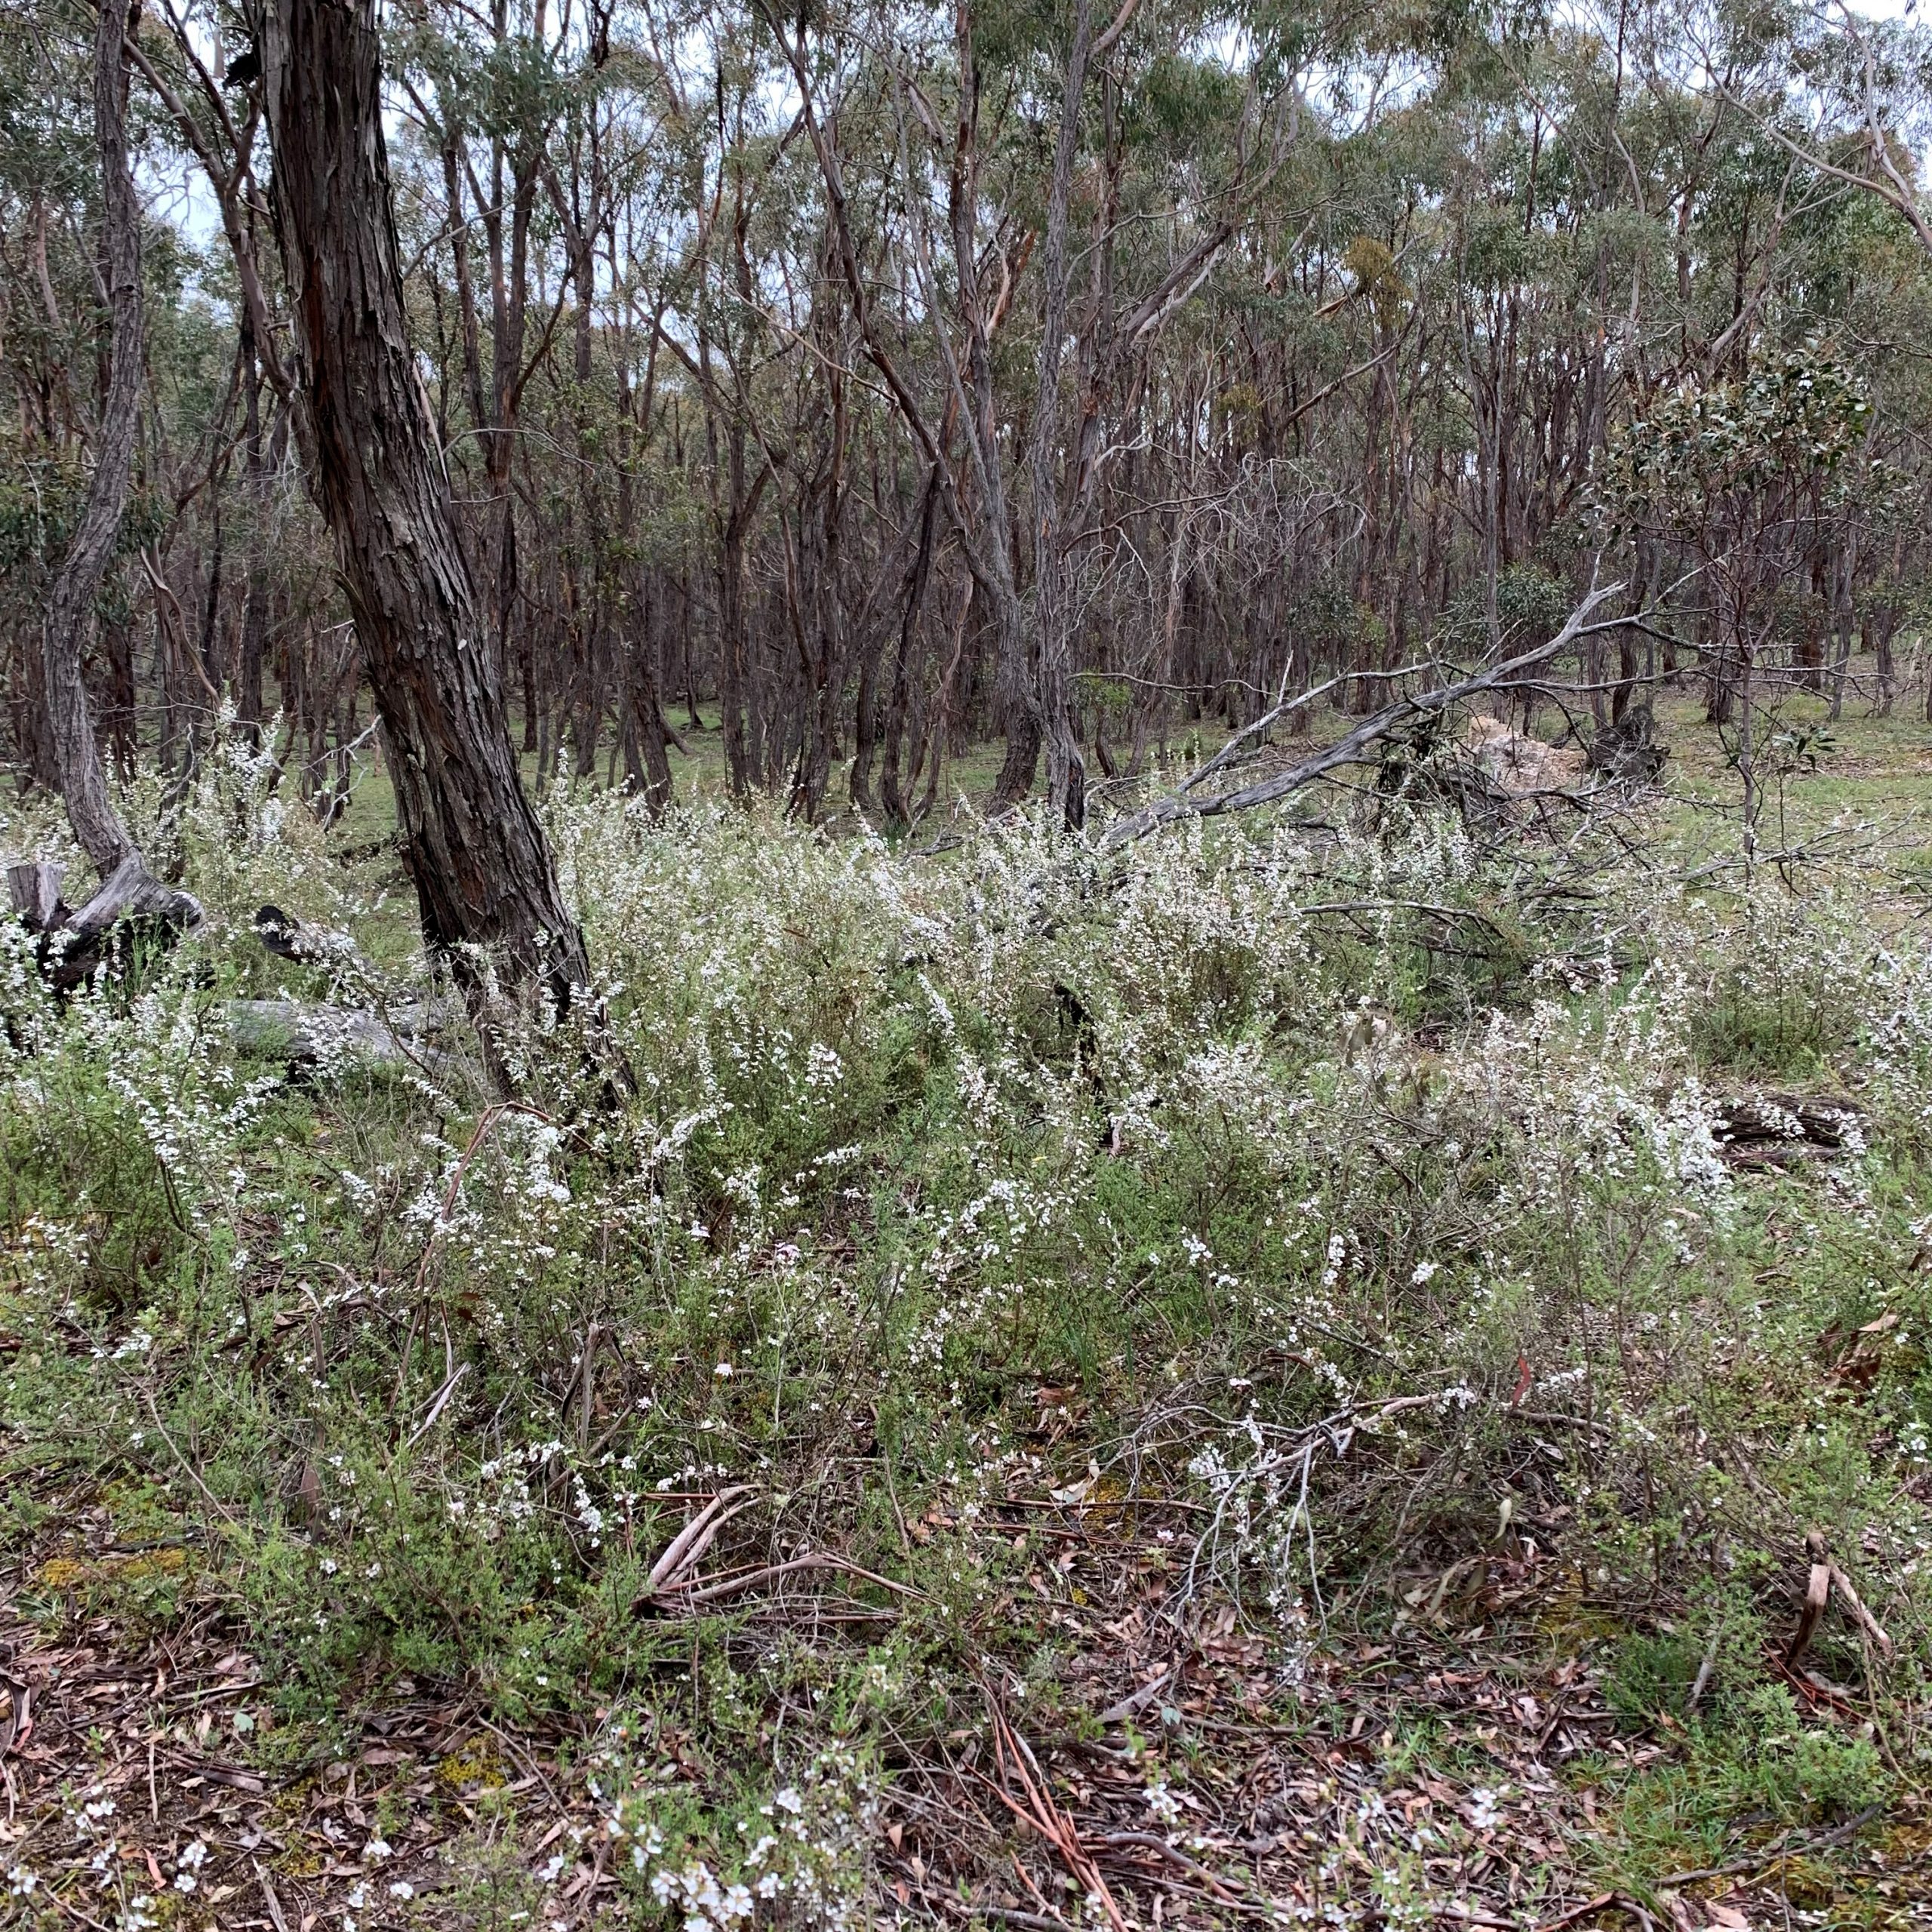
[
  {"x": 964, "y": 967},
  {"x": 1301, "y": 1372}
]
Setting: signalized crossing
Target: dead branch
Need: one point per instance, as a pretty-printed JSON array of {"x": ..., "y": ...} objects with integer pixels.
[{"x": 1348, "y": 749}]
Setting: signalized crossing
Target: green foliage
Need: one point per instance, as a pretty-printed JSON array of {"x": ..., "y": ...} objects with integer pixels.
[{"x": 1701, "y": 451}]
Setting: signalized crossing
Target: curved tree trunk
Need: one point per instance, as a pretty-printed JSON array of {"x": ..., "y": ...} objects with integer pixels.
[{"x": 483, "y": 871}]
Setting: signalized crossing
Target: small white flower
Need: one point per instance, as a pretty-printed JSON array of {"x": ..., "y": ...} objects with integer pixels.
[
  {"x": 1424, "y": 1271},
  {"x": 724, "y": 1371},
  {"x": 1483, "y": 1813}
]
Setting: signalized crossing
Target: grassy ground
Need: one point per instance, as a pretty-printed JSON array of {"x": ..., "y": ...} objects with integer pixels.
[{"x": 1238, "y": 1383}]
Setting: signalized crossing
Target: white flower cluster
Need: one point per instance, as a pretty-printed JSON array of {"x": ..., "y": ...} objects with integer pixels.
[{"x": 808, "y": 1849}]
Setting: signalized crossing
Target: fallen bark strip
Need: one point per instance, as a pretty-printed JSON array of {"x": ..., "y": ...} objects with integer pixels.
[
  {"x": 1817, "y": 1594},
  {"x": 691, "y": 1542},
  {"x": 1017, "y": 1763},
  {"x": 1348, "y": 749}
]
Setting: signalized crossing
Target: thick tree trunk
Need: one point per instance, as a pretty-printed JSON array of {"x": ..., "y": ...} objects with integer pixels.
[
  {"x": 69, "y": 622},
  {"x": 483, "y": 871}
]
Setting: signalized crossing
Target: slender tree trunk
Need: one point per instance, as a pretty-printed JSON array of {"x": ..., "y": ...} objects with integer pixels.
[
  {"x": 899, "y": 704},
  {"x": 1843, "y": 623},
  {"x": 647, "y": 763},
  {"x": 69, "y": 622},
  {"x": 1052, "y": 679},
  {"x": 483, "y": 873},
  {"x": 255, "y": 611}
]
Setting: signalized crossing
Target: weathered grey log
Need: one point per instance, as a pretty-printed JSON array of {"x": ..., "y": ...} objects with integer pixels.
[
  {"x": 133, "y": 904},
  {"x": 33, "y": 889},
  {"x": 307, "y": 1033},
  {"x": 1785, "y": 1130}
]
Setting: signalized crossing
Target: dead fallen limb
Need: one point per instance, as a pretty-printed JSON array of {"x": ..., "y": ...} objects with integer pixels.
[
  {"x": 1427, "y": 907},
  {"x": 1231, "y": 1894},
  {"x": 186, "y": 1468},
  {"x": 1603, "y": 1902},
  {"x": 1855, "y": 1608},
  {"x": 132, "y": 902},
  {"x": 1348, "y": 749},
  {"x": 770, "y": 1572},
  {"x": 308, "y": 1033},
  {"x": 1194, "y": 1894}
]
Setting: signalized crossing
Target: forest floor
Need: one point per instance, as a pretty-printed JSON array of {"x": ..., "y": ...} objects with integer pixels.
[{"x": 1294, "y": 1377}]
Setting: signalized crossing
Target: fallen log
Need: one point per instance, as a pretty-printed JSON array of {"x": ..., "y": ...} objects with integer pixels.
[
  {"x": 1785, "y": 1130},
  {"x": 307, "y": 1033},
  {"x": 132, "y": 907}
]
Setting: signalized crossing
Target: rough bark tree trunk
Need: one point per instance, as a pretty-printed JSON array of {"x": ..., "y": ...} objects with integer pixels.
[{"x": 482, "y": 869}]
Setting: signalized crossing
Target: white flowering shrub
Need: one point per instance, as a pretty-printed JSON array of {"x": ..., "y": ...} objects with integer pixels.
[
  {"x": 244, "y": 837},
  {"x": 1356, "y": 1193},
  {"x": 796, "y": 1855}
]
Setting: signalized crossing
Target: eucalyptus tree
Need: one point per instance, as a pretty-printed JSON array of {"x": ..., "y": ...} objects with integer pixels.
[
  {"x": 832, "y": 393},
  {"x": 477, "y": 856}
]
